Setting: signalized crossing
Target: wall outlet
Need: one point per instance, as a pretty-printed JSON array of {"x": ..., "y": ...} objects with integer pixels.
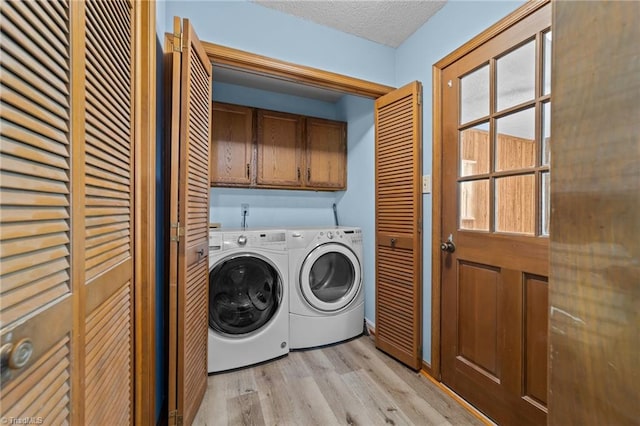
[
  {"x": 426, "y": 184},
  {"x": 244, "y": 209}
]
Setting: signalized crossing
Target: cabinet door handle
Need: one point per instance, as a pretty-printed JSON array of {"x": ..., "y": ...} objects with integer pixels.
[
  {"x": 308, "y": 174},
  {"x": 248, "y": 171},
  {"x": 298, "y": 173}
]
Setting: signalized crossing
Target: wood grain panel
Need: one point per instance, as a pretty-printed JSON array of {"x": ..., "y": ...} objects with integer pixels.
[
  {"x": 231, "y": 144},
  {"x": 279, "y": 143},
  {"x": 536, "y": 316},
  {"x": 595, "y": 193},
  {"x": 398, "y": 224},
  {"x": 479, "y": 298},
  {"x": 234, "y": 58},
  {"x": 108, "y": 360},
  {"x": 326, "y": 154}
]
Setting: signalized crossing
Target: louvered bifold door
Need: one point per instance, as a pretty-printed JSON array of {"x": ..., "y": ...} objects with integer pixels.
[
  {"x": 67, "y": 206},
  {"x": 191, "y": 120},
  {"x": 36, "y": 290},
  {"x": 398, "y": 162},
  {"x": 108, "y": 201}
]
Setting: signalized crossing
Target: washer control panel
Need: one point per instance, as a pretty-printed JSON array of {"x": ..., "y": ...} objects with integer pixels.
[{"x": 271, "y": 239}]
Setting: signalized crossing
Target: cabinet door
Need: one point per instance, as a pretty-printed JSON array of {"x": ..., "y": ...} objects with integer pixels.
[
  {"x": 326, "y": 154},
  {"x": 231, "y": 144},
  {"x": 279, "y": 149}
]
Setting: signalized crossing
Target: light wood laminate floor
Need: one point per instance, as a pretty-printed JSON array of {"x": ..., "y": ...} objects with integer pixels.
[{"x": 351, "y": 383}]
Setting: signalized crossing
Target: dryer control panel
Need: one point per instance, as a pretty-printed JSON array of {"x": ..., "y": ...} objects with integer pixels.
[{"x": 305, "y": 237}]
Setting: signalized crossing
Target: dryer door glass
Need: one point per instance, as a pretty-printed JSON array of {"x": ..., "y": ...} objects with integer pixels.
[
  {"x": 330, "y": 277},
  {"x": 244, "y": 294}
]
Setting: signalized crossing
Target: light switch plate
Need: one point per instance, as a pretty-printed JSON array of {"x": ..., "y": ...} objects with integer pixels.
[{"x": 426, "y": 184}]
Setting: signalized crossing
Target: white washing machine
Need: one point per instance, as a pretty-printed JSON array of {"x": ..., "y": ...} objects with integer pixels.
[
  {"x": 248, "y": 297},
  {"x": 326, "y": 295}
]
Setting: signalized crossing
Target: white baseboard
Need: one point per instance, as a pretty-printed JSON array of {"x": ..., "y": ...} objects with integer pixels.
[{"x": 371, "y": 326}]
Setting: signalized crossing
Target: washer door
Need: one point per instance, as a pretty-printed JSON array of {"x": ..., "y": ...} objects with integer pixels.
[
  {"x": 244, "y": 294},
  {"x": 330, "y": 277}
]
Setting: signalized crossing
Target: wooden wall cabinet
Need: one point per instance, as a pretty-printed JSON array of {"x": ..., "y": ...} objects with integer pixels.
[
  {"x": 279, "y": 148},
  {"x": 267, "y": 149},
  {"x": 231, "y": 145},
  {"x": 326, "y": 154}
]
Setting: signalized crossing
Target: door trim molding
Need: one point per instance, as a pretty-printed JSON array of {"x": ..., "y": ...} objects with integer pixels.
[
  {"x": 436, "y": 272},
  {"x": 229, "y": 57},
  {"x": 144, "y": 394}
]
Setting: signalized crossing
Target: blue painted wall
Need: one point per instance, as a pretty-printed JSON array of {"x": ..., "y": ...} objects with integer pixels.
[
  {"x": 356, "y": 205},
  {"x": 452, "y": 26},
  {"x": 248, "y": 26},
  {"x": 286, "y": 208},
  {"x": 272, "y": 208}
]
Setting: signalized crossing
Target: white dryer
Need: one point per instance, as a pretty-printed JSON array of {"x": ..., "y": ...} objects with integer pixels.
[
  {"x": 326, "y": 296},
  {"x": 248, "y": 297}
]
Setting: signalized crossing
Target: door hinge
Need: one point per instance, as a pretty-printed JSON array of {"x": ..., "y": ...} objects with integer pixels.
[
  {"x": 419, "y": 226},
  {"x": 176, "y": 232},
  {"x": 420, "y": 98},
  {"x": 177, "y": 42},
  {"x": 175, "y": 419}
]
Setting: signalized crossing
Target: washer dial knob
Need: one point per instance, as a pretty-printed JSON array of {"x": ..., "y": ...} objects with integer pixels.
[
  {"x": 330, "y": 235},
  {"x": 242, "y": 240}
]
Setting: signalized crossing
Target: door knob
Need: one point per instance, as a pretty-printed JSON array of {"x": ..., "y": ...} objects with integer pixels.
[
  {"x": 14, "y": 357},
  {"x": 200, "y": 252},
  {"x": 448, "y": 245}
]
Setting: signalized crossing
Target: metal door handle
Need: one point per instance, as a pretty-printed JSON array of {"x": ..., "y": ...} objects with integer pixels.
[
  {"x": 15, "y": 357},
  {"x": 393, "y": 242},
  {"x": 200, "y": 252},
  {"x": 448, "y": 245}
]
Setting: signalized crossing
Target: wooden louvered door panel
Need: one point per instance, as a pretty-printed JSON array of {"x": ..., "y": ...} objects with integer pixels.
[
  {"x": 35, "y": 181},
  {"x": 191, "y": 81},
  {"x": 107, "y": 196},
  {"x": 398, "y": 118},
  {"x": 67, "y": 210}
]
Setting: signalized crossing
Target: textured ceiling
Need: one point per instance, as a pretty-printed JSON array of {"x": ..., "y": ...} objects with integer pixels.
[{"x": 387, "y": 22}]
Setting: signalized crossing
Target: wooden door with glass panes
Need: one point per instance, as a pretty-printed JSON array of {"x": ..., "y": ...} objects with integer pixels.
[{"x": 495, "y": 222}]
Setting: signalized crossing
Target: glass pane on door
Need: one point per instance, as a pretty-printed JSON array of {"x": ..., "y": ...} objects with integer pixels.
[
  {"x": 473, "y": 205},
  {"x": 546, "y": 132},
  {"x": 546, "y": 198},
  {"x": 474, "y": 150},
  {"x": 515, "y": 206},
  {"x": 546, "y": 76},
  {"x": 516, "y": 140},
  {"x": 474, "y": 95},
  {"x": 516, "y": 76}
]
